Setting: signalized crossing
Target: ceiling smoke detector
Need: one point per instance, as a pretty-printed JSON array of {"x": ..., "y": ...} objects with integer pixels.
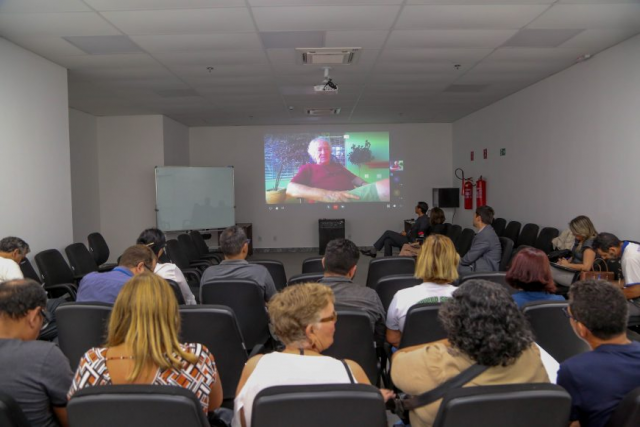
[{"x": 327, "y": 55}]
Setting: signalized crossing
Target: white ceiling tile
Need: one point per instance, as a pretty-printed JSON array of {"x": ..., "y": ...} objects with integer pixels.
[
  {"x": 321, "y": 2},
  {"x": 599, "y": 1},
  {"x": 49, "y": 47},
  {"x": 394, "y": 78},
  {"x": 55, "y": 24},
  {"x": 467, "y": 17},
  {"x": 310, "y": 18},
  {"x": 603, "y": 16},
  {"x": 538, "y": 55},
  {"x": 455, "y": 56},
  {"x": 108, "y": 5},
  {"x": 209, "y": 81},
  {"x": 220, "y": 71},
  {"x": 42, "y": 6},
  {"x": 422, "y": 67},
  {"x": 498, "y": 67},
  {"x": 213, "y": 58},
  {"x": 123, "y": 73},
  {"x": 481, "y": 2},
  {"x": 592, "y": 41},
  {"x": 364, "y": 39},
  {"x": 489, "y": 39},
  {"x": 152, "y": 83},
  {"x": 198, "y": 42},
  {"x": 182, "y": 21},
  {"x": 107, "y": 61}
]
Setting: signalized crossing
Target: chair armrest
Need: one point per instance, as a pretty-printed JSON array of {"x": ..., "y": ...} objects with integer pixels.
[
  {"x": 56, "y": 291},
  {"x": 193, "y": 273}
]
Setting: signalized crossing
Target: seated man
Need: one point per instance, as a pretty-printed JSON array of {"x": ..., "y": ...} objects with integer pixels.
[
  {"x": 105, "y": 287},
  {"x": 340, "y": 264},
  {"x": 235, "y": 247},
  {"x": 609, "y": 246},
  {"x": 485, "y": 252},
  {"x": 391, "y": 239},
  {"x": 599, "y": 379},
  {"x": 35, "y": 373},
  {"x": 12, "y": 251}
]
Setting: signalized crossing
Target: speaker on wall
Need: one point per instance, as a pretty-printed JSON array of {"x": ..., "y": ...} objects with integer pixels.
[
  {"x": 446, "y": 197},
  {"x": 329, "y": 229}
]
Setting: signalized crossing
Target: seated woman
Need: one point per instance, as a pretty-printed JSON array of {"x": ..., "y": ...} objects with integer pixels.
[
  {"x": 436, "y": 226},
  {"x": 155, "y": 239},
  {"x": 531, "y": 275},
  {"x": 304, "y": 318},
  {"x": 583, "y": 253},
  {"x": 142, "y": 346},
  {"x": 484, "y": 326},
  {"x": 437, "y": 266},
  {"x": 327, "y": 181}
]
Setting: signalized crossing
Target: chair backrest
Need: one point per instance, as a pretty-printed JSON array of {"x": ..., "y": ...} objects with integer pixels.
[
  {"x": 552, "y": 329},
  {"x": 98, "y": 248},
  {"x": 81, "y": 326},
  {"x": 216, "y": 327},
  {"x": 54, "y": 270},
  {"x": 422, "y": 325},
  {"x": 528, "y": 235},
  {"x": 512, "y": 231},
  {"x": 276, "y": 270},
  {"x": 188, "y": 247},
  {"x": 498, "y": 277},
  {"x": 389, "y": 285},
  {"x": 353, "y": 340},
  {"x": 10, "y": 413},
  {"x": 136, "y": 405},
  {"x": 176, "y": 291},
  {"x": 389, "y": 266},
  {"x": 446, "y": 227},
  {"x": 28, "y": 271},
  {"x": 80, "y": 259},
  {"x": 463, "y": 242},
  {"x": 176, "y": 254},
  {"x": 312, "y": 265},
  {"x": 319, "y": 405},
  {"x": 246, "y": 299},
  {"x": 199, "y": 242},
  {"x": 522, "y": 405},
  {"x": 627, "y": 413},
  {"x": 454, "y": 232},
  {"x": 544, "y": 240},
  {"x": 499, "y": 225},
  {"x": 304, "y": 278},
  {"x": 506, "y": 244}
]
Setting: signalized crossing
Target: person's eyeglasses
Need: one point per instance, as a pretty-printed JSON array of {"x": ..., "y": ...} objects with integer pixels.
[
  {"x": 45, "y": 319},
  {"x": 565, "y": 310},
  {"x": 332, "y": 318}
]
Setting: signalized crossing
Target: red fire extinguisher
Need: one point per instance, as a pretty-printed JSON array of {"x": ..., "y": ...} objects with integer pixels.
[
  {"x": 467, "y": 192},
  {"x": 481, "y": 192}
]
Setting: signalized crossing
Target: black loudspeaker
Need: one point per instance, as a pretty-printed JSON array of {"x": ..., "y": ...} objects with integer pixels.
[{"x": 330, "y": 229}]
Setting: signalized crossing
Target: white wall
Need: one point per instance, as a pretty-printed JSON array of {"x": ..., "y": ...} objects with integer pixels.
[
  {"x": 425, "y": 149},
  {"x": 34, "y": 145},
  {"x": 176, "y": 143},
  {"x": 572, "y": 143}
]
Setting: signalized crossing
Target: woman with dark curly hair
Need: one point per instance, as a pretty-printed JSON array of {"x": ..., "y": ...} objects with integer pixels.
[
  {"x": 484, "y": 326},
  {"x": 531, "y": 275}
]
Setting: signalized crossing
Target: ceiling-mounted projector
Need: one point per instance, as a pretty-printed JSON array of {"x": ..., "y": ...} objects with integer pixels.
[{"x": 327, "y": 85}]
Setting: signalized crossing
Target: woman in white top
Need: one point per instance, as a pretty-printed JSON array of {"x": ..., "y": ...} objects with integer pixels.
[
  {"x": 156, "y": 241},
  {"x": 437, "y": 266},
  {"x": 304, "y": 318}
]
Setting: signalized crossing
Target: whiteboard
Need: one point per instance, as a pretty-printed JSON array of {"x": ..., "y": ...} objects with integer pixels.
[{"x": 189, "y": 198}]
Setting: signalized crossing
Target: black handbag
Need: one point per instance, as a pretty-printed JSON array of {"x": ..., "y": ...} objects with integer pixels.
[{"x": 554, "y": 256}]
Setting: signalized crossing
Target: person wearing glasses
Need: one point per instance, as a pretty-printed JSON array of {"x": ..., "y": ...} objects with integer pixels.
[
  {"x": 304, "y": 318},
  {"x": 156, "y": 240},
  {"x": 105, "y": 287},
  {"x": 235, "y": 248},
  {"x": 35, "y": 373}
]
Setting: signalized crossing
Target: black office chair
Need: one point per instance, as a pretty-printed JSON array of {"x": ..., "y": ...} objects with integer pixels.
[
  {"x": 28, "y": 271},
  {"x": 216, "y": 327},
  {"x": 553, "y": 330},
  {"x": 246, "y": 299},
  {"x": 506, "y": 244},
  {"x": 528, "y": 235},
  {"x": 498, "y": 277},
  {"x": 499, "y": 225},
  {"x": 304, "y": 278},
  {"x": 353, "y": 340},
  {"x": 175, "y": 254},
  {"x": 522, "y": 405},
  {"x": 276, "y": 270},
  {"x": 312, "y": 265},
  {"x": 80, "y": 259},
  {"x": 422, "y": 325},
  {"x": 11, "y": 414},
  {"x": 202, "y": 248},
  {"x": 319, "y": 405},
  {"x": 512, "y": 232},
  {"x": 545, "y": 238},
  {"x": 627, "y": 414},
  {"x": 389, "y": 285},
  {"x": 135, "y": 406},
  {"x": 100, "y": 251},
  {"x": 454, "y": 232},
  {"x": 57, "y": 277},
  {"x": 176, "y": 291},
  {"x": 464, "y": 241},
  {"x": 389, "y": 266},
  {"x": 189, "y": 249}
]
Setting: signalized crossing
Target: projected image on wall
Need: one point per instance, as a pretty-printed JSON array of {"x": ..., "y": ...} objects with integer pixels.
[{"x": 326, "y": 167}]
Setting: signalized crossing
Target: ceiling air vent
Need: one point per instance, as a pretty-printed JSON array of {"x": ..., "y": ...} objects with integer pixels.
[
  {"x": 322, "y": 111},
  {"x": 328, "y": 55}
]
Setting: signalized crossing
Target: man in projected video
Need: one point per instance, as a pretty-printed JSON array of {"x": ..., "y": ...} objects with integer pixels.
[{"x": 328, "y": 181}]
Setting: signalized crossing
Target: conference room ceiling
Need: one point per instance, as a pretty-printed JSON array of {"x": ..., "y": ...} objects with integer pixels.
[{"x": 233, "y": 62}]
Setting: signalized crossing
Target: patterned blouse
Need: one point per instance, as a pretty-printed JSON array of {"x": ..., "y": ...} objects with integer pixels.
[{"x": 198, "y": 377}]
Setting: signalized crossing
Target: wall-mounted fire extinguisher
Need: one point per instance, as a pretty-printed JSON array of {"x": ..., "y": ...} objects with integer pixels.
[
  {"x": 466, "y": 190},
  {"x": 481, "y": 192}
]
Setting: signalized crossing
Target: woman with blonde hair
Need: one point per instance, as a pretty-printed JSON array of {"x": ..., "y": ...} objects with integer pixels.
[
  {"x": 437, "y": 266},
  {"x": 583, "y": 254},
  {"x": 142, "y": 346}
]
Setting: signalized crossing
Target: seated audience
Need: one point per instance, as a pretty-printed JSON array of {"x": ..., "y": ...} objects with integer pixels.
[
  {"x": 156, "y": 240},
  {"x": 484, "y": 326},
  {"x": 599, "y": 379},
  {"x": 13, "y": 251},
  {"x": 437, "y": 266},
  {"x": 340, "y": 265},
  {"x": 35, "y": 373},
  {"x": 304, "y": 318},
  {"x": 609, "y": 246},
  {"x": 485, "y": 252},
  {"x": 235, "y": 247},
  {"x": 436, "y": 226},
  {"x": 531, "y": 275},
  {"x": 391, "y": 239},
  {"x": 583, "y": 254},
  {"x": 105, "y": 287},
  {"x": 142, "y": 346}
]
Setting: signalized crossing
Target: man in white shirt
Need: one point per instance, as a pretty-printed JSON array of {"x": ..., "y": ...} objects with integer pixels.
[
  {"x": 609, "y": 246},
  {"x": 13, "y": 250}
]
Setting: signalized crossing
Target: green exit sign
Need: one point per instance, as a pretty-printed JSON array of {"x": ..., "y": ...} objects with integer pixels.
[{"x": 503, "y": 151}]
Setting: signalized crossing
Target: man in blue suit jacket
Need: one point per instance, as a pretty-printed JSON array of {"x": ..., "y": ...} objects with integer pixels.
[{"x": 485, "y": 252}]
